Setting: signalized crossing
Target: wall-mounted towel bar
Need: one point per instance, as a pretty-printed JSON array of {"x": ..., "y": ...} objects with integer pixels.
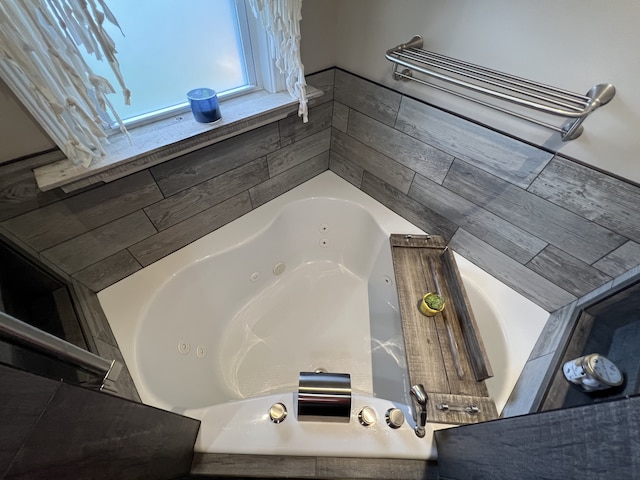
[{"x": 507, "y": 88}]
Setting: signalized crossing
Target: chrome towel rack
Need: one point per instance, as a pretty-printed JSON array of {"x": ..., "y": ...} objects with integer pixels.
[{"x": 492, "y": 83}]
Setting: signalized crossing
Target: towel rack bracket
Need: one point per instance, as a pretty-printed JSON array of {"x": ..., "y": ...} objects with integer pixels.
[
  {"x": 602, "y": 93},
  {"x": 598, "y": 95},
  {"x": 404, "y": 75}
]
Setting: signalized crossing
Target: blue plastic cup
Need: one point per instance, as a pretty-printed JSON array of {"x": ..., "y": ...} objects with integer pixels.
[{"x": 204, "y": 105}]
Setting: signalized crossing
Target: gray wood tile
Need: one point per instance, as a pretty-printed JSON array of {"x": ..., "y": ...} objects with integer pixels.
[
  {"x": 596, "y": 295},
  {"x": 562, "y": 269},
  {"x": 19, "y": 192},
  {"x": 288, "y": 179},
  {"x": 208, "y": 162},
  {"x": 571, "y": 233},
  {"x": 523, "y": 397},
  {"x": 322, "y": 81},
  {"x": 260, "y": 466},
  {"x": 177, "y": 236},
  {"x": 366, "y": 97},
  {"x": 497, "y": 232},
  {"x": 108, "y": 271},
  {"x": 421, "y": 216},
  {"x": 53, "y": 266},
  {"x": 620, "y": 260},
  {"x": 24, "y": 398},
  {"x": 340, "y": 117},
  {"x": 60, "y": 221},
  {"x": 338, "y": 468},
  {"x": 351, "y": 172},
  {"x": 99, "y": 334},
  {"x": 16, "y": 242},
  {"x": 299, "y": 152},
  {"x": 396, "y": 175},
  {"x": 376, "y": 468},
  {"x": 601, "y": 198},
  {"x": 87, "y": 434},
  {"x": 98, "y": 244},
  {"x": 548, "y": 351},
  {"x": 555, "y": 332},
  {"x": 293, "y": 130},
  {"x": 414, "y": 154},
  {"x": 93, "y": 319},
  {"x": 201, "y": 196},
  {"x": 71, "y": 330},
  {"x": 524, "y": 281},
  {"x": 509, "y": 159},
  {"x": 626, "y": 277}
]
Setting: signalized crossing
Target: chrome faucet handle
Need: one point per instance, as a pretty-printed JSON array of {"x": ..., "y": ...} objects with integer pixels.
[{"x": 420, "y": 398}]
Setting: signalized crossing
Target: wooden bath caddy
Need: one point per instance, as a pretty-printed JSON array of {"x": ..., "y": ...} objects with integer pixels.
[{"x": 445, "y": 352}]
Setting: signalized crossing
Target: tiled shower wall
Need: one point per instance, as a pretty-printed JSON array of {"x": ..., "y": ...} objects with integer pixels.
[{"x": 548, "y": 227}]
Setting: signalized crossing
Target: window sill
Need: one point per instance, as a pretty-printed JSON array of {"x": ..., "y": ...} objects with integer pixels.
[{"x": 161, "y": 141}]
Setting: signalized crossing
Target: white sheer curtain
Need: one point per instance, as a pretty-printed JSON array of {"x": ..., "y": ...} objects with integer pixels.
[
  {"x": 40, "y": 62},
  {"x": 281, "y": 20}
]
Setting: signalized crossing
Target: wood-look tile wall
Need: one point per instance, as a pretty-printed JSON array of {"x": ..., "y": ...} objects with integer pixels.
[
  {"x": 103, "y": 234},
  {"x": 550, "y": 228},
  {"x": 547, "y": 226}
]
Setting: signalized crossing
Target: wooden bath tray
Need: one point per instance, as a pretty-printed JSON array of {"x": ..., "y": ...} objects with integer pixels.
[{"x": 445, "y": 352}]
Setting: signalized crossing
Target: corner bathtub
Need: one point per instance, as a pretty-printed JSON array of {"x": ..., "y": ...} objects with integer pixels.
[{"x": 221, "y": 329}]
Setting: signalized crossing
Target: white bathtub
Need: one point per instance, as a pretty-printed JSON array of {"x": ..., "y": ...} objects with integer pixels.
[{"x": 220, "y": 329}]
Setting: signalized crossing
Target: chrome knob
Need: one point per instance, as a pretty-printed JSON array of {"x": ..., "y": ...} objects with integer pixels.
[
  {"x": 367, "y": 416},
  {"x": 394, "y": 417},
  {"x": 277, "y": 412}
]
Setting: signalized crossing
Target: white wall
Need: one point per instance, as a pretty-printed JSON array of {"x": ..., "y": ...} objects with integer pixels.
[
  {"x": 20, "y": 135},
  {"x": 319, "y": 34},
  {"x": 572, "y": 44}
]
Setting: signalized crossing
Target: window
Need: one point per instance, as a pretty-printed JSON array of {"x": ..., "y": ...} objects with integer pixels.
[
  {"x": 54, "y": 82},
  {"x": 171, "y": 47}
]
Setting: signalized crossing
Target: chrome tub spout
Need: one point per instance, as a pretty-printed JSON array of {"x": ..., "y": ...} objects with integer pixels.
[{"x": 420, "y": 398}]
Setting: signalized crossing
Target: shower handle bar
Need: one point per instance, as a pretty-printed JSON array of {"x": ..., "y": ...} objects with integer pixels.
[{"x": 19, "y": 332}]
